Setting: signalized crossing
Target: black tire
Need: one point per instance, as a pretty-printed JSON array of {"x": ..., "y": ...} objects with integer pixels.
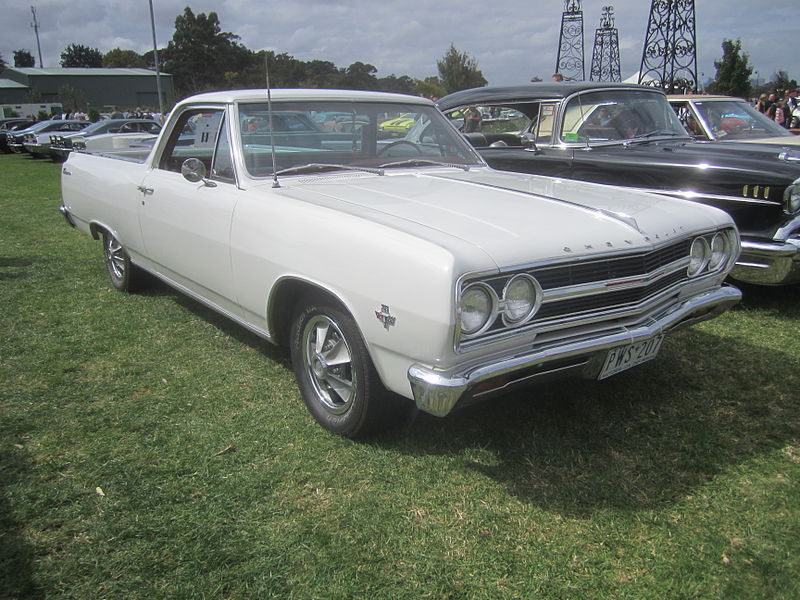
[
  {"x": 124, "y": 275},
  {"x": 335, "y": 374}
]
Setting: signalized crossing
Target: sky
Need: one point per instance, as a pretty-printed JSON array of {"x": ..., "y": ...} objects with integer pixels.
[{"x": 512, "y": 40}]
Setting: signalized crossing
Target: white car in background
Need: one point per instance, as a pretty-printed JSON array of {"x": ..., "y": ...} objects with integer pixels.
[{"x": 728, "y": 119}]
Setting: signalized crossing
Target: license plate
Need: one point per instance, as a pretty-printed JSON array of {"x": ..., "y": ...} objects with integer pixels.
[{"x": 625, "y": 357}]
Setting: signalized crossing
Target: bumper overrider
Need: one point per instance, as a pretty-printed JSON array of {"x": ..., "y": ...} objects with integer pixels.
[
  {"x": 438, "y": 392},
  {"x": 775, "y": 262}
]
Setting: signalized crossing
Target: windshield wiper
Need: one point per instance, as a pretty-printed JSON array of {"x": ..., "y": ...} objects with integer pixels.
[
  {"x": 657, "y": 132},
  {"x": 312, "y": 167},
  {"x": 412, "y": 162}
]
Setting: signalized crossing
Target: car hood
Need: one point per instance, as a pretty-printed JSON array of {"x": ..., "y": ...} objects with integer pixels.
[{"x": 511, "y": 217}]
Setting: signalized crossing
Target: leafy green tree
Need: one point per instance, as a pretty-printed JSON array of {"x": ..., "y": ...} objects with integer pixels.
[
  {"x": 430, "y": 87},
  {"x": 201, "y": 56},
  {"x": 124, "y": 59},
  {"x": 781, "y": 82},
  {"x": 400, "y": 85},
  {"x": 359, "y": 76},
  {"x": 459, "y": 71},
  {"x": 23, "y": 58},
  {"x": 2, "y": 63},
  {"x": 78, "y": 55},
  {"x": 733, "y": 71}
]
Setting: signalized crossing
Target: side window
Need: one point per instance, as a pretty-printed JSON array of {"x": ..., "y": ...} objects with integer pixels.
[
  {"x": 194, "y": 136},
  {"x": 223, "y": 163},
  {"x": 546, "y": 123}
]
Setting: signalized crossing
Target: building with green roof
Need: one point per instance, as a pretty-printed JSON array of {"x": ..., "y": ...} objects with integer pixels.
[{"x": 101, "y": 87}]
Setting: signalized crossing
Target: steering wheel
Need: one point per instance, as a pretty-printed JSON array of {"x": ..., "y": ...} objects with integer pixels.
[{"x": 397, "y": 143}]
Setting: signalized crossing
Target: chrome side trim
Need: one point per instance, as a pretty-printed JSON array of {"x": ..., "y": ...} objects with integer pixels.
[
  {"x": 439, "y": 391},
  {"x": 696, "y": 196}
]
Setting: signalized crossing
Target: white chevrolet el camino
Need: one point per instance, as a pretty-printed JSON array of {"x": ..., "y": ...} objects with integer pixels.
[{"x": 400, "y": 271}]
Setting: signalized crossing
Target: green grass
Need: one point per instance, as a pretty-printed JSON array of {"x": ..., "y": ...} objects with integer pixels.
[{"x": 678, "y": 479}]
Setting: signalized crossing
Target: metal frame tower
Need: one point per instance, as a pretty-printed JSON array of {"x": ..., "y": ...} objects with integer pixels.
[
  {"x": 669, "y": 56},
  {"x": 570, "y": 43},
  {"x": 605, "y": 56}
]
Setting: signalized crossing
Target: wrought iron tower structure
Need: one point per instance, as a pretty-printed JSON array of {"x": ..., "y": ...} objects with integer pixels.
[
  {"x": 669, "y": 57},
  {"x": 605, "y": 56},
  {"x": 570, "y": 43}
]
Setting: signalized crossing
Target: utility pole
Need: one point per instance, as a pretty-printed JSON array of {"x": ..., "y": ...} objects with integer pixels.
[
  {"x": 605, "y": 57},
  {"x": 155, "y": 58},
  {"x": 35, "y": 26},
  {"x": 570, "y": 43}
]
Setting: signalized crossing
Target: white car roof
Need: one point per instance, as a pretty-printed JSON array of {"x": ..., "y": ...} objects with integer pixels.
[{"x": 304, "y": 95}]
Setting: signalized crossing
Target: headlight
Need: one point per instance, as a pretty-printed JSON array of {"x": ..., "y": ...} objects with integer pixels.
[
  {"x": 477, "y": 308},
  {"x": 698, "y": 257},
  {"x": 522, "y": 297},
  {"x": 720, "y": 251},
  {"x": 791, "y": 199}
]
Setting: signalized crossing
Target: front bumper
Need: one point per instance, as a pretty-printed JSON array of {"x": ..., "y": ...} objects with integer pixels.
[
  {"x": 438, "y": 392},
  {"x": 769, "y": 263}
]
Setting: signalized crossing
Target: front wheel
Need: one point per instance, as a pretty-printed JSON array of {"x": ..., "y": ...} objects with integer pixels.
[
  {"x": 124, "y": 275},
  {"x": 336, "y": 377}
]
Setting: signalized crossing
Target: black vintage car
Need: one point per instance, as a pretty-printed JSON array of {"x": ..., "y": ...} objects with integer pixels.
[{"x": 628, "y": 135}]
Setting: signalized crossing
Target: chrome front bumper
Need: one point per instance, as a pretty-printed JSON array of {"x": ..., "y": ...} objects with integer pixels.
[
  {"x": 769, "y": 263},
  {"x": 438, "y": 392}
]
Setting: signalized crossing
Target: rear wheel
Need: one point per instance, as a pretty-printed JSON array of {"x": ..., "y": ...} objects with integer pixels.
[
  {"x": 124, "y": 275},
  {"x": 336, "y": 377}
]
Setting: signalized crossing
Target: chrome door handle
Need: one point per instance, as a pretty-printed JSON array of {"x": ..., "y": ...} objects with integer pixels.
[{"x": 145, "y": 190}]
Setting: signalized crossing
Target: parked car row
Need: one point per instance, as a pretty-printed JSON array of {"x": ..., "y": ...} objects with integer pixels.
[{"x": 57, "y": 138}]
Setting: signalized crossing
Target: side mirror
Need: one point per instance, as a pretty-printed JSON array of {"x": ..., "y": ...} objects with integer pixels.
[{"x": 194, "y": 170}]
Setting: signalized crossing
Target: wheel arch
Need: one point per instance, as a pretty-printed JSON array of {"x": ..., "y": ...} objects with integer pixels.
[{"x": 284, "y": 298}]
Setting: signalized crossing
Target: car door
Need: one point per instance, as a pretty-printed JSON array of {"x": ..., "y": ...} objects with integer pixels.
[{"x": 186, "y": 226}]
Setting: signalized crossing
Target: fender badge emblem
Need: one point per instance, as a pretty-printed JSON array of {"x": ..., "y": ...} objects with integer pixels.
[{"x": 385, "y": 317}]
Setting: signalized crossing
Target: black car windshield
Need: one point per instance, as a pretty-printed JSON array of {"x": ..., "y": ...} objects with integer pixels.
[
  {"x": 618, "y": 116},
  {"x": 737, "y": 120},
  {"x": 357, "y": 134}
]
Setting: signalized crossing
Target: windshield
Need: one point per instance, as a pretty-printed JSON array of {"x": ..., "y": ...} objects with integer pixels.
[
  {"x": 736, "y": 120},
  {"x": 619, "y": 115},
  {"x": 348, "y": 134}
]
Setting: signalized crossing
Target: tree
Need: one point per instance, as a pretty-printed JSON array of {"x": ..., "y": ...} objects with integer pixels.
[
  {"x": 781, "y": 82},
  {"x": 23, "y": 58},
  {"x": 201, "y": 56},
  {"x": 359, "y": 76},
  {"x": 2, "y": 63},
  {"x": 733, "y": 71},
  {"x": 430, "y": 87},
  {"x": 459, "y": 71},
  {"x": 78, "y": 55},
  {"x": 401, "y": 85},
  {"x": 124, "y": 59}
]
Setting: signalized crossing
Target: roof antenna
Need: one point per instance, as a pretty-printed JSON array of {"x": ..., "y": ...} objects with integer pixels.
[{"x": 275, "y": 183}]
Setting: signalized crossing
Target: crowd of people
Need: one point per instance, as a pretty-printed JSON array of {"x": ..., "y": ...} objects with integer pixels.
[{"x": 784, "y": 108}]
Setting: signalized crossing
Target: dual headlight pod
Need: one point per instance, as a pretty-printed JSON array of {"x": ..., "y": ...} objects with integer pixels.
[
  {"x": 479, "y": 305},
  {"x": 712, "y": 255}
]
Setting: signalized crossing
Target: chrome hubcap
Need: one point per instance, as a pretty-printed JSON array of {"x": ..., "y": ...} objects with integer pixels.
[
  {"x": 328, "y": 362},
  {"x": 115, "y": 257}
]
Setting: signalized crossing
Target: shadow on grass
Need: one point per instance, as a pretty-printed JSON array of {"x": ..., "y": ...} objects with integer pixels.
[
  {"x": 158, "y": 288},
  {"x": 638, "y": 441},
  {"x": 16, "y": 557},
  {"x": 14, "y": 267}
]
